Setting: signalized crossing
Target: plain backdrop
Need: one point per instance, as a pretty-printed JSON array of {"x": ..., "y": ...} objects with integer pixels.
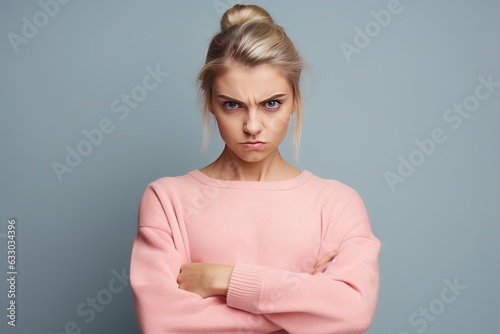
[{"x": 382, "y": 101}]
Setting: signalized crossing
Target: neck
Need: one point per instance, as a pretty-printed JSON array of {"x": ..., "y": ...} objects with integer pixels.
[{"x": 229, "y": 166}]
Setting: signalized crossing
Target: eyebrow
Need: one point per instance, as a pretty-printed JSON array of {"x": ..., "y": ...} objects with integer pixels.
[{"x": 275, "y": 96}]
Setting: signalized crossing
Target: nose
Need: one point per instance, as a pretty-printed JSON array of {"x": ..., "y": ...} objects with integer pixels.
[{"x": 252, "y": 125}]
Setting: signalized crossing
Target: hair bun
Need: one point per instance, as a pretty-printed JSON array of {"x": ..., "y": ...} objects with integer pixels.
[{"x": 241, "y": 14}]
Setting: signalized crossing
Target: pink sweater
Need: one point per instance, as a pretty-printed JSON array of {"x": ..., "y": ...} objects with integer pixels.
[{"x": 273, "y": 232}]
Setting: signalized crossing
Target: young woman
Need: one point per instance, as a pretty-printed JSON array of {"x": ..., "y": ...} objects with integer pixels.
[{"x": 249, "y": 244}]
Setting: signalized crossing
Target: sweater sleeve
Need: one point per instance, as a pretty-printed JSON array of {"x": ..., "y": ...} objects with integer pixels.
[
  {"x": 340, "y": 300},
  {"x": 161, "y": 307}
]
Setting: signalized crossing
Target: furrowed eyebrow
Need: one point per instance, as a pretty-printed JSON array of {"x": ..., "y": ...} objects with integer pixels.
[{"x": 235, "y": 100}]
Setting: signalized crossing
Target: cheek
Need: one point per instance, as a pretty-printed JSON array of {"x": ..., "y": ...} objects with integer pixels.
[
  {"x": 280, "y": 122},
  {"x": 227, "y": 127}
]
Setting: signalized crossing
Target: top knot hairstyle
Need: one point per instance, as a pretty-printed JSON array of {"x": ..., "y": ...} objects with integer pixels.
[
  {"x": 241, "y": 14},
  {"x": 249, "y": 38}
]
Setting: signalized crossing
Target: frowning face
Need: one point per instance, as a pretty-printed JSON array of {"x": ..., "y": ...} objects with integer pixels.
[{"x": 252, "y": 107}]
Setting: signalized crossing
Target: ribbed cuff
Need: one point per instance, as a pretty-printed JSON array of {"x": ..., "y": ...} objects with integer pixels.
[{"x": 245, "y": 287}]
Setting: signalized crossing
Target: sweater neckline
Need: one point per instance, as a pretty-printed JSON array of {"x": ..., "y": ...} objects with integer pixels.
[{"x": 255, "y": 185}]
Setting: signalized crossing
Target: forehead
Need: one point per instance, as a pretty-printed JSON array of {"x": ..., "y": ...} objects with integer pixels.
[{"x": 259, "y": 81}]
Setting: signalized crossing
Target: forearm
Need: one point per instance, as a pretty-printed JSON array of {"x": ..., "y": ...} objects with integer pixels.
[
  {"x": 205, "y": 279},
  {"x": 343, "y": 300},
  {"x": 162, "y": 307}
]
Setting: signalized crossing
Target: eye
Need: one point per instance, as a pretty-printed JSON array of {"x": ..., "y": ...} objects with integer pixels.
[
  {"x": 230, "y": 105},
  {"x": 273, "y": 104}
]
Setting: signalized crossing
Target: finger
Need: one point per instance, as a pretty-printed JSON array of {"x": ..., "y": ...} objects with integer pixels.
[
  {"x": 321, "y": 269},
  {"x": 328, "y": 257},
  {"x": 179, "y": 275}
]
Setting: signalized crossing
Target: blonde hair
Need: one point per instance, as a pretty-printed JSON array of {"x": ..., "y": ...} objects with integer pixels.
[{"x": 249, "y": 37}]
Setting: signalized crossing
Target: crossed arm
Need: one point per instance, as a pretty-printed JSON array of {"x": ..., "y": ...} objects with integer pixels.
[
  {"x": 174, "y": 296},
  {"x": 209, "y": 279}
]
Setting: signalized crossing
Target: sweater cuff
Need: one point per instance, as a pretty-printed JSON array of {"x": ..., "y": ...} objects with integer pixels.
[{"x": 245, "y": 287}]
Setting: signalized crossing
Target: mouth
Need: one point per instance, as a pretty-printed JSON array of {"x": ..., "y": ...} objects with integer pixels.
[{"x": 253, "y": 144}]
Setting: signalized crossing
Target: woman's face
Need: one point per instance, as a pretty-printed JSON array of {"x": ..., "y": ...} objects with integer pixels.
[{"x": 252, "y": 107}]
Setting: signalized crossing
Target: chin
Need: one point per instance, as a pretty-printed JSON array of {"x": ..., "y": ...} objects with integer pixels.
[{"x": 253, "y": 156}]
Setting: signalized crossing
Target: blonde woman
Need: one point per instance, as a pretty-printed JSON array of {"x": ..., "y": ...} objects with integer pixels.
[{"x": 250, "y": 244}]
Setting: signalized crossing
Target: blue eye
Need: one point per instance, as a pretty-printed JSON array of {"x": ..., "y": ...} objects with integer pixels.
[
  {"x": 273, "y": 104},
  {"x": 231, "y": 105}
]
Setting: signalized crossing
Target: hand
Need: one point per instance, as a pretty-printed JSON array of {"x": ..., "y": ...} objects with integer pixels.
[
  {"x": 323, "y": 263},
  {"x": 205, "y": 279}
]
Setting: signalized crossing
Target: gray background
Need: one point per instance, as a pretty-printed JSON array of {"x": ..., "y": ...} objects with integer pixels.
[{"x": 440, "y": 224}]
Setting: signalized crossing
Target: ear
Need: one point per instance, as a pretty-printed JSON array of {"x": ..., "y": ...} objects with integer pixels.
[
  {"x": 294, "y": 106},
  {"x": 210, "y": 107}
]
